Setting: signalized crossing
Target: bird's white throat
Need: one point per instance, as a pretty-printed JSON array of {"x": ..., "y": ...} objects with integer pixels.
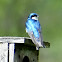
[{"x": 35, "y": 18}]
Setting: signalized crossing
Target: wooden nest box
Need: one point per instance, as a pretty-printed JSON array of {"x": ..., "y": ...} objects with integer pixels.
[{"x": 18, "y": 49}]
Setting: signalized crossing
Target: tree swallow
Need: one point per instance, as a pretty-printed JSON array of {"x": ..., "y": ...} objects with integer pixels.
[{"x": 33, "y": 28}]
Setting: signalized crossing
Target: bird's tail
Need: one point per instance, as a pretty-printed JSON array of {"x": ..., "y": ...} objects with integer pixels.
[
  {"x": 37, "y": 41},
  {"x": 40, "y": 46}
]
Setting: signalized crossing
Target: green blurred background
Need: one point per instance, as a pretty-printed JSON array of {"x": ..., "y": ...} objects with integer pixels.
[{"x": 14, "y": 13}]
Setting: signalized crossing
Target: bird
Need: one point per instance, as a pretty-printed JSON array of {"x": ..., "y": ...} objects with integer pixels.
[{"x": 33, "y": 28}]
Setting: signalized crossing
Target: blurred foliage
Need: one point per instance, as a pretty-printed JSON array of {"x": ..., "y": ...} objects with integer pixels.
[{"x": 14, "y": 13}]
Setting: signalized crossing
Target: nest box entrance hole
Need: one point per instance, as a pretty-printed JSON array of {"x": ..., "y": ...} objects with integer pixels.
[{"x": 25, "y": 59}]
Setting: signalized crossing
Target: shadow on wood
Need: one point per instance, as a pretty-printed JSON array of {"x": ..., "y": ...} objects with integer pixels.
[{"x": 27, "y": 52}]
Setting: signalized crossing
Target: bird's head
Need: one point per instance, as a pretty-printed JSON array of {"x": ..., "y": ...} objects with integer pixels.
[{"x": 33, "y": 16}]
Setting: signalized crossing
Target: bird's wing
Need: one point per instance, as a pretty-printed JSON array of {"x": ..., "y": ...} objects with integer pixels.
[
  {"x": 35, "y": 33},
  {"x": 38, "y": 26}
]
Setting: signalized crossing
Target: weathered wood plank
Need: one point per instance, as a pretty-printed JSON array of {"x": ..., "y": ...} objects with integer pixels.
[
  {"x": 12, "y": 39},
  {"x": 19, "y": 40},
  {"x": 11, "y": 52},
  {"x": 3, "y": 52}
]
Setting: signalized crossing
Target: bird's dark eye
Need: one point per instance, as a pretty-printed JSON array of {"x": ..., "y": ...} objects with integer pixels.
[{"x": 33, "y": 16}]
